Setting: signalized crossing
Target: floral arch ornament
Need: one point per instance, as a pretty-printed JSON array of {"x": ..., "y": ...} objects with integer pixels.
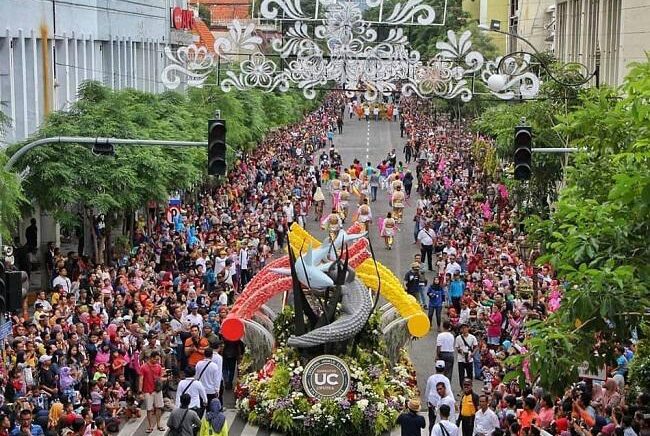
[{"x": 337, "y": 48}]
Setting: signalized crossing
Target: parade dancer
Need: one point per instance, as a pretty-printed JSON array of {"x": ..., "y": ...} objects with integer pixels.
[
  {"x": 319, "y": 203},
  {"x": 332, "y": 224},
  {"x": 364, "y": 215},
  {"x": 398, "y": 198},
  {"x": 344, "y": 203},
  {"x": 388, "y": 227}
]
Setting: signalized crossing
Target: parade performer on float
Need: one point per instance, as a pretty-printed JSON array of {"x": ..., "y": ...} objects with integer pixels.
[{"x": 397, "y": 200}]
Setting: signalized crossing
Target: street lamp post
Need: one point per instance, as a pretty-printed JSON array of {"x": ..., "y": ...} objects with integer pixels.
[{"x": 497, "y": 79}]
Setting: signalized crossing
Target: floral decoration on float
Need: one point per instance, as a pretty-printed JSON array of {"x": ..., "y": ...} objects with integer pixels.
[{"x": 273, "y": 397}]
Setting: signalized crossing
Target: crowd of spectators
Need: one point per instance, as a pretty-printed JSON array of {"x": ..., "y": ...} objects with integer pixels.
[
  {"x": 479, "y": 293},
  {"x": 110, "y": 339}
]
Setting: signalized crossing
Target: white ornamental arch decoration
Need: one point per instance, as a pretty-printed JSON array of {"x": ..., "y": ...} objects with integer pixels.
[{"x": 335, "y": 47}]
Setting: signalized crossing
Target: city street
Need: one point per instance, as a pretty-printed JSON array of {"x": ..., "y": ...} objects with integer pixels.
[
  {"x": 371, "y": 141},
  {"x": 155, "y": 155}
]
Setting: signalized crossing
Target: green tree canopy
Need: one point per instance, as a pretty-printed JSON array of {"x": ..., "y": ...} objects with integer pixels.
[
  {"x": 11, "y": 200},
  {"x": 11, "y": 193},
  {"x": 544, "y": 114},
  {"x": 597, "y": 237},
  {"x": 61, "y": 175}
]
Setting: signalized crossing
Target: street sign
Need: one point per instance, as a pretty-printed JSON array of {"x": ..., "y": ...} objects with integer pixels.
[{"x": 5, "y": 330}]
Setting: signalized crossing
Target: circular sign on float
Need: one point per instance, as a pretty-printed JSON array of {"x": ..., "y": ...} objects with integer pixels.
[{"x": 326, "y": 377}]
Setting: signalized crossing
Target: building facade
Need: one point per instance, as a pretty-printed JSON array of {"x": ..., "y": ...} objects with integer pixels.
[
  {"x": 491, "y": 13},
  {"x": 49, "y": 47},
  {"x": 533, "y": 20},
  {"x": 613, "y": 32}
]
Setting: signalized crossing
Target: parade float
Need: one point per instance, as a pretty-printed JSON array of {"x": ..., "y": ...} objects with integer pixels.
[{"x": 332, "y": 362}]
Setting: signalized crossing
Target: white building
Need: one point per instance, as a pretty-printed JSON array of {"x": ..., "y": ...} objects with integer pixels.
[
  {"x": 49, "y": 47},
  {"x": 533, "y": 20},
  {"x": 617, "y": 30}
]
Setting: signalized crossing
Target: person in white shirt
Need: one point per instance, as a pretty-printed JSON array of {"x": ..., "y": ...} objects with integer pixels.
[
  {"x": 425, "y": 238},
  {"x": 220, "y": 261},
  {"x": 289, "y": 212},
  {"x": 445, "y": 427},
  {"x": 450, "y": 250},
  {"x": 465, "y": 314},
  {"x": 63, "y": 280},
  {"x": 431, "y": 393},
  {"x": 445, "y": 348},
  {"x": 453, "y": 266},
  {"x": 223, "y": 298},
  {"x": 209, "y": 374},
  {"x": 465, "y": 346},
  {"x": 446, "y": 398},
  {"x": 192, "y": 318},
  {"x": 194, "y": 389},
  {"x": 485, "y": 420},
  {"x": 42, "y": 300},
  {"x": 201, "y": 260},
  {"x": 244, "y": 277}
]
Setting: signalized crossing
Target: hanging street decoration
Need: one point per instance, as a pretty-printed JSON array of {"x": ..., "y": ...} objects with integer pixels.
[{"x": 336, "y": 47}]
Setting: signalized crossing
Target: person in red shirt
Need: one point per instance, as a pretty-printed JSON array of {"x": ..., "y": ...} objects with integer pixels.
[{"x": 153, "y": 400}]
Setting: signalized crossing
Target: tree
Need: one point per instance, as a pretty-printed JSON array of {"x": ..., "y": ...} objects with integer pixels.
[
  {"x": 544, "y": 115},
  {"x": 61, "y": 175},
  {"x": 205, "y": 14},
  {"x": 11, "y": 193},
  {"x": 597, "y": 237},
  {"x": 11, "y": 200}
]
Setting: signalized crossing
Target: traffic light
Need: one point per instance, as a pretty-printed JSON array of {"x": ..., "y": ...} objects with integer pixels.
[
  {"x": 523, "y": 156},
  {"x": 103, "y": 148},
  {"x": 3, "y": 287},
  {"x": 17, "y": 285},
  {"x": 217, "y": 147}
]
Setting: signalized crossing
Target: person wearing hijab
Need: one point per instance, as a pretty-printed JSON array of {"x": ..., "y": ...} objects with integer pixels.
[
  {"x": 215, "y": 421},
  {"x": 610, "y": 395},
  {"x": 213, "y": 321}
]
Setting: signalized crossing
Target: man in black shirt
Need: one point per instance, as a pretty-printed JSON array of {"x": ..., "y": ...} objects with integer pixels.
[
  {"x": 410, "y": 420},
  {"x": 48, "y": 378}
]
